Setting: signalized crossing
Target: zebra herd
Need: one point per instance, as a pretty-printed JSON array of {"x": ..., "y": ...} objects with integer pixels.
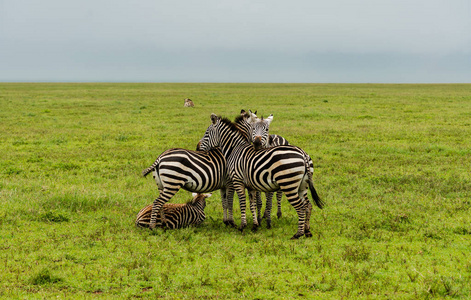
[{"x": 235, "y": 156}]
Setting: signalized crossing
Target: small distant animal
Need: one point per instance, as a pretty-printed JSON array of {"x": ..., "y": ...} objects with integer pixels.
[
  {"x": 188, "y": 103},
  {"x": 176, "y": 215}
]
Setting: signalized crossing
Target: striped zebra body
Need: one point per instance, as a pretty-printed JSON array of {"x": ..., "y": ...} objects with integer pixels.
[
  {"x": 284, "y": 168},
  {"x": 194, "y": 171},
  {"x": 274, "y": 140},
  {"x": 246, "y": 124},
  {"x": 277, "y": 140},
  {"x": 175, "y": 215}
]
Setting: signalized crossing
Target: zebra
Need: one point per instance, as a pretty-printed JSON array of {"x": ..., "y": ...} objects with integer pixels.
[
  {"x": 176, "y": 215},
  {"x": 188, "y": 103},
  {"x": 284, "y": 168},
  {"x": 194, "y": 171},
  {"x": 258, "y": 127},
  {"x": 273, "y": 140}
]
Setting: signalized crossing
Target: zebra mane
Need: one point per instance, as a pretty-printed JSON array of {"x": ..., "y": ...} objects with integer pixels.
[
  {"x": 239, "y": 119},
  {"x": 242, "y": 124},
  {"x": 233, "y": 127}
]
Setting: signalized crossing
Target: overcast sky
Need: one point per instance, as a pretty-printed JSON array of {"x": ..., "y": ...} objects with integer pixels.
[{"x": 236, "y": 41}]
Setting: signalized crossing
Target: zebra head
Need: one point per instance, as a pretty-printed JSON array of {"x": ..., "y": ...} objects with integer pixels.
[
  {"x": 211, "y": 137},
  {"x": 199, "y": 199},
  {"x": 260, "y": 127},
  {"x": 243, "y": 123}
]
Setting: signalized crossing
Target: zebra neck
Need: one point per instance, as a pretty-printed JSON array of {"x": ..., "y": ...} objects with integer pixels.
[
  {"x": 230, "y": 139},
  {"x": 201, "y": 204},
  {"x": 244, "y": 127}
]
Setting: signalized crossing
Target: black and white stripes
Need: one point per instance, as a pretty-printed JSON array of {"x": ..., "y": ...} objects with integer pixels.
[
  {"x": 284, "y": 168},
  {"x": 176, "y": 215},
  {"x": 227, "y": 160},
  {"x": 194, "y": 171}
]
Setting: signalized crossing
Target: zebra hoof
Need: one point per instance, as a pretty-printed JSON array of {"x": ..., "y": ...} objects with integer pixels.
[
  {"x": 231, "y": 223},
  {"x": 241, "y": 228},
  {"x": 278, "y": 214},
  {"x": 268, "y": 225},
  {"x": 254, "y": 228},
  {"x": 152, "y": 226},
  {"x": 308, "y": 234},
  {"x": 296, "y": 236}
]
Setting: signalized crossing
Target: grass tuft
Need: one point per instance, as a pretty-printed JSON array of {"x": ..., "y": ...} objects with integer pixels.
[
  {"x": 53, "y": 217},
  {"x": 44, "y": 277}
]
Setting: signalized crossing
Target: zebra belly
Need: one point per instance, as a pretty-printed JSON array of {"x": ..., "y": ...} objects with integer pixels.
[{"x": 192, "y": 187}]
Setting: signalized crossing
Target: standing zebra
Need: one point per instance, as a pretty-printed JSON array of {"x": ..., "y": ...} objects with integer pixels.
[
  {"x": 284, "y": 168},
  {"x": 273, "y": 140},
  {"x": 194, "y": 171},
  {"x": 176, "y": 215},
  {"x": 259, "y": 128}
]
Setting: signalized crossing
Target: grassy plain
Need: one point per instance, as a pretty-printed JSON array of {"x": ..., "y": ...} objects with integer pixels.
[{"x": 392, "y": 163}]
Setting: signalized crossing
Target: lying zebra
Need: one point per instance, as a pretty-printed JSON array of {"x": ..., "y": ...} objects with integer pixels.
[{"x": 176, "y": 215}]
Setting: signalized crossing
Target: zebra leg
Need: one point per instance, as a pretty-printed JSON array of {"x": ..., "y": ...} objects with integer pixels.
[
  {"x": 224, "y": 205},
  {"x": 258, "y": 196},
  {"x": 299, "y": 206},
  {"x": 230, "y": 205},
  {"x": 308, "y": 209},
  {"x": 267, "y": 214},
  {"x": 240, "y": 189},
  {"x": 307, "y": 226},
  {"x": 279, "y": 194},
  {"x": 165, "y": 195},
  {"x": 253, "y": 208}
]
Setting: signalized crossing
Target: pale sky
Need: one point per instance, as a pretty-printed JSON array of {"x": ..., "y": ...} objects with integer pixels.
[{"x": 391, "y": 41}]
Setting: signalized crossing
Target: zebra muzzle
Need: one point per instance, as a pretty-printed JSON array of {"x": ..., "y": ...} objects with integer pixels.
[{"x": 257, "y": 142}]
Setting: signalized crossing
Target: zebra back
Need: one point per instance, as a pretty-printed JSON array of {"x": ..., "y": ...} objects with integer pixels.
[{"x": 277, "y": 140}]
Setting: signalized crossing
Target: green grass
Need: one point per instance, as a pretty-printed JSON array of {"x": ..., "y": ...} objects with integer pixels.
[{"x": 392, "y": 163}]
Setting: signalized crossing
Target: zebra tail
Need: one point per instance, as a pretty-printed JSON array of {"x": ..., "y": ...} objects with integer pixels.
[
  {"x": 314, "y": 195},
  {"x": 151, "y": 168}
]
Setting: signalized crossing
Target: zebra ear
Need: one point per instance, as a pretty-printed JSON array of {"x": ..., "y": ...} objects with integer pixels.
[
  {"x": 214, "y": 118},
  {"x": 269, "y": 119},
  {"x": 253, "y": 117},
  {"x": 208, "y": 195}
]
